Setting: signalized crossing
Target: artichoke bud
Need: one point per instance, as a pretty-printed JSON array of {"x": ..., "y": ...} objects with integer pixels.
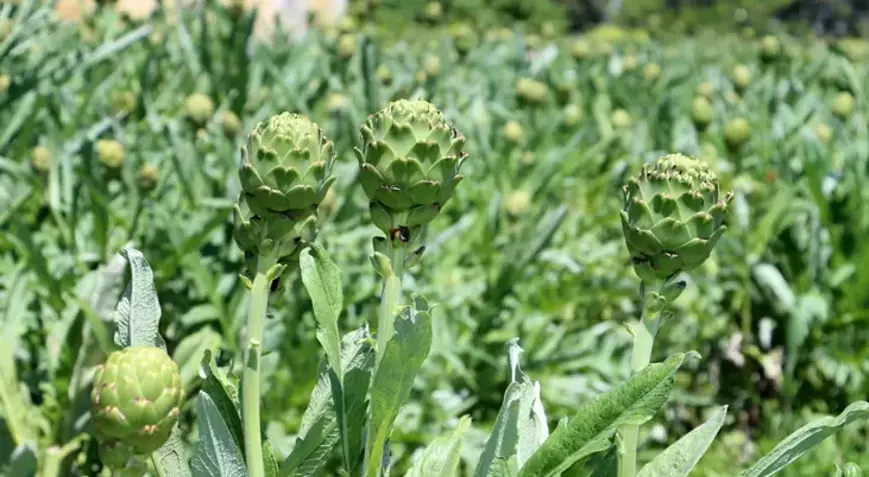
[
  {"x": 651, "y": 72},
  {"x": 110, "y": 154},
  {"x": 741, "y": 77},
  {"x": 123, "y": 102},
  {"x": 409, "y": 162},
  {"x": 383, "y": 74},
  {"x": 285, "y": 173},
  {"x": 40, "y": 159},
  {"x": 843, "y": 105},
  {"x": 572, "y": 115},
  {"x": 431, "y": 65},
  {"x": 198, "y": 108},
  {"x": 136, "y": 400},
  {"x": 823, "y": 132},
  {"x": 230, "y": 123},
  {"x": 147, "y": 177},
  {"x": 517, "y": 202},
  {"x": 581, "y": 49},
  {"x": 347, "y": 44},
  {"x": 770, "y": 47},
  {"x": 531, "y": 93},
  {"x": 382, "y": 264},
  {"x": 434, "y": 11},
  {"x": 620, "y": 119},
  {"x": 736, "y": 133},
  {"x": 701, "y": 112},
  {"x": 672, "y": 217},
  {"x": 706, "y": 90},
  {"x": 414, "y": 258},
  {"x": 513, "y": 132},
  {"x": 5, "y": 81}
]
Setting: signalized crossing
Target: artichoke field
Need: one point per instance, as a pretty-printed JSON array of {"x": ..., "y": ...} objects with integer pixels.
[{"x": 213, "y": 251}]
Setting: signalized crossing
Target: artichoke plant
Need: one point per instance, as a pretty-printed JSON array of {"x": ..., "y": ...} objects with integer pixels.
[
  {"x": 136, "y": 401},
  {"x": 673, "y": 216},
  {"x": 409, "y": 160},
  {"x": 285, "y": 173}
]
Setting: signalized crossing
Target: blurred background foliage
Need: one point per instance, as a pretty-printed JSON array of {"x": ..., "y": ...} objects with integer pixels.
[{"x": 118, "y": 128}]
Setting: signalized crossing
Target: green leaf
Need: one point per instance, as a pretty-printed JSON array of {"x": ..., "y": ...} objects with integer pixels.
[
  {"x": 505, "y": 435},
  {"x": 216, "y": 454},
  {"x": 171, "y": 456},
  {"x": 394, "y": 376},
  {"x": 441, "y": 457},
  {"x": 805, "y": 438},
  {"x": 137, "y": 315},
  {"x": 358, "y": 364},
  {"x": 322, "y": 279},
  {"x": 190, "y": 351},
  {"x": 678, "y": 459},
  {"x": 224, "y": 395},
  {"x": 318, "y": 433},
  {"x": 592, "y": 428}
]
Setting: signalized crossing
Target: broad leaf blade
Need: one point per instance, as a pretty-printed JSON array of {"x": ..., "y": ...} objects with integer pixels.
[
  {"x": 322, "y": 279},
  {"x": 224, "y": 396},
  {"x": 441, "y": 457},
  {"x": 678, "y": 459},
  {"x": 804, "y": 439},
  {"x": 393, "y": 379},
  {"x": 505, "y": 435},
  {"x": 593, "y": 427},
  {"x": 171, "y": 456},
  {"x": 138, "y": 313},
  {"x": 317, "y": 435},
  {"x": 216, "y": 453}
]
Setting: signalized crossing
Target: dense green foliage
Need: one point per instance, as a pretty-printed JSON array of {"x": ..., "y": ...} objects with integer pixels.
[{"x": 114, "y": 133}]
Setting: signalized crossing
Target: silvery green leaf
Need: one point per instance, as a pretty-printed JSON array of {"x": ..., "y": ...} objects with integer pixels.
[
  {"x": 441, "y": 457},
  {"x": 678, "y": 459},
  {"x": 317, "y": 435},
  {"x": 171, "y": 456},
  {"x": 594, "y": 425},
  {"x": 216, "y": 454},
  {"x": 190, "y": 351},
  {"x": 137, "y": 316},
  {"x": 505, "y": 435},
  {"x": 358, "y": 364},
  {"x": 224, "y": 394},
  {"x": 804, "y": 439},
  {"x": 393, "y": 380},
  {"x": 322, "y": 279}
]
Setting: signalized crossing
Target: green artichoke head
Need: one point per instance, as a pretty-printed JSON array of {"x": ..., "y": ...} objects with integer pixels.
[
  {"x": 737, "y": 132},
  {"x": 673, "y": 216},
  {"x": 409, "y": 160},
  {"x": 136, "y": 400},
  {"x": 285, "y": 173},
  {"x": 843, "y": 105},
  {"x": 702, "y": 112}
]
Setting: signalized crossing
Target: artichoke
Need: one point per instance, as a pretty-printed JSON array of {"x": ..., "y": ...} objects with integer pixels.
[
  {"x": 284, "y": 175},
  {"x": 673, "y": 216},
  {"x": 110, "y": 154},
  {"x": 136, "y": 400},
  {"x": 198, "y": 108},
  {"x": 147, "y": 177},
  {"x": 843, "y": 105},
  {"x": 736, "y": 133},
  {"x": 620, "y": 119},
  {"x": 701, "y": 112},
  {"x": 651, "y": 72},
  {"x": 530, "y": 92},
  {"x": 513, "y": 132},
  {"x": 409, "y": 160},
  {"x": 231, "y": 123},
  {"x": 770, "y": 47},
  {"x": 40, "y": 159},
  {"x": 741, "y": 77}
]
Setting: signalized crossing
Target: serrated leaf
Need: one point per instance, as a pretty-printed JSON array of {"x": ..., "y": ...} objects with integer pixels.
[
  {"x": 804, "y": 439},
  {"x": 224, "y": 395},
  {"x": 592, "y": 428},
  {"x": 322, "y": 279},
  {"x": 441, "y": 457},
  {"x": 393, "y": 379},
  {"x": 358, "y": 364},
  {"x": 678, "y": 459},
  {"x": 137, "y": 316},
  {"x": 216, "y": 454},
  {"x": 505, "y": 434},
  {"x": 317, "y": 435}
]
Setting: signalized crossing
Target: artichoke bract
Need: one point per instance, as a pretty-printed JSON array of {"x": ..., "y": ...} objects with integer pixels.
[
  {"x": 285, "y": 173},
  {"x": 409, "y": 160},
  {"x": 136, "y": 401},
  {"x": 673, "y": 216}
]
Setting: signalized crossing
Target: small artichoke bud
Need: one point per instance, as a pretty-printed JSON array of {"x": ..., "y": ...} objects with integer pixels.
[
  {"x": 464, "y": 39},
  {"x": 581, "y": 49},
  {"x": 384, "y": 74},
  {"x": 431, "y": 65},
  {"x": 147, "y": 177},
  {"x": 824, "y": 133},
  {"x": 198, "y": 108},
  {"x": 651, "y": 72},
  {"x": 40, "y": 160},
  {"x": 706, "y": 90},
  {"x": 572, "y": 114},
  {"x": 548, "y": 30},
  {"x": 347, "y": 45},
  {"x": 337, "y": 104},
  {"x": 620, "y": 119},
  {"x": 530, "y": 92},
  {"x": 5, "y": 81},
  {"x": 629, "y": 62},
  {"x": 513, "y": 132},
  {"x": 843, "y": 105},
  {"x": 736, "y": 133},
  {"x": 123, "y": 102},
  {"x": 673, "y": 216},
  {"x": 136, "y": 398},
  {"x": 285, "y": 173},
  {"x": 434, "y": 11},
  {"x": 517, "y": 202},
  {"x": 409, "y": 160},
  {"x": 110, "y": 154},
  {"x": 701, "y": 112},
  {"x": 230, "y": 123},
  {"x": 770, "y": 47},
  {"x": 741, "y": 77}
]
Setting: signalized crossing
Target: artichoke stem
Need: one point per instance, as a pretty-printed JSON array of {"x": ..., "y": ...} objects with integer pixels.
[
  {"x": 644, "y": 338},
  {"x": 266, "y": 270},
  {"x": 390, "y": 299}
]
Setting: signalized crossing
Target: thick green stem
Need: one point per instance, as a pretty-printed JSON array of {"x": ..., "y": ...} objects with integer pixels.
[
  {"x": 250, "y": 386},
  {"x": 644, "y": 338}
]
